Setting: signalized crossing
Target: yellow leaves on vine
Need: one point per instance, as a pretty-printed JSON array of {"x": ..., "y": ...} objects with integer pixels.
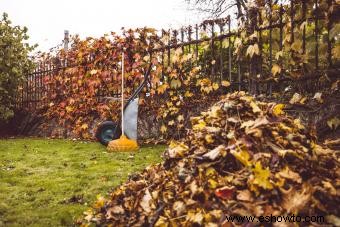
[
  {"x": 175, "y": 83},
  {"x": 225, "y": 83},
  {"x": 163, "y": 129},
  {"x": 252, "y": 49},
  {"x": 162, "y": 88},
  {"x": 276, "y": 69}
]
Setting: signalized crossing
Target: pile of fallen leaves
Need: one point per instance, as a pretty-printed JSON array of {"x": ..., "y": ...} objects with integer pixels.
[{"x": 242, "y": 157}]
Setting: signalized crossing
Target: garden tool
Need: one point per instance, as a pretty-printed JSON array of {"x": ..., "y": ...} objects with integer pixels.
[{"x": 123, "y": 143}]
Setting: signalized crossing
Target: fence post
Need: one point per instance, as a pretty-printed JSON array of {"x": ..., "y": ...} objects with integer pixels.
[{"x": 66, "y": 39}]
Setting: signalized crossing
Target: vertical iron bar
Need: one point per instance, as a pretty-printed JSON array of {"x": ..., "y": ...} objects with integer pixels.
[
  {"x": 304, "y": 27},
  {"x": 221, "y": 53},
  {"x": 316, "y": 36},
  {"x": 229, "y": 49},
  {"x": 292, "y": 21},
  {"x": 169, "y": 43},
  {"x": 189, "y": 37},
  {"x": 329, "y": 40},
  {"x": 182, "y": 39},
  {"x": 270, "y": 44},
  {"x": 212, "y": 52},
  {"x": 196, "y": 45},
  {"x": 260, "y": 45}
]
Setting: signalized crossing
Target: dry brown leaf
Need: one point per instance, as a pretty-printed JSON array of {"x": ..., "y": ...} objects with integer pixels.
[
  {"x": 245, "y": 195},
  {"x": 294, "y": 200}
]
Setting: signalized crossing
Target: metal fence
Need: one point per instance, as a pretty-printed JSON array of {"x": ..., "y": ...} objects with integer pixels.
[{"x": 218, "y": 61}]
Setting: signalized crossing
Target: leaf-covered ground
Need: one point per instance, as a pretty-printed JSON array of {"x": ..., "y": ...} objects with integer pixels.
[
  {"x": 52, "y": 182},
  {"x": 242, "y": 157}
]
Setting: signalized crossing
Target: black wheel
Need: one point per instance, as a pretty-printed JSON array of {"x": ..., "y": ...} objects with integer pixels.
[{"x": 108, "y": 131}]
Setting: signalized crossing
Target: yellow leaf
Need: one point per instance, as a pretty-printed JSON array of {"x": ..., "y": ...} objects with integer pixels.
[
  {"x": 225, "y": 43},
  {"x": 100, "y": 202},
  {"x": 225, "y": 83},
  {"x": 333, "y": 123},
  {"x": 175, "y": 83},
  {"x": 180, "y": 118},
  {"x": 212, "y": 183},
  {"x": 297, "y": 46},
  {"x": 162, "y": 222},
  {"x": 146, "y": 58},
  {"x": 172, "y": 122},
  {"x": 277, "y": 110},
  {"x": 195, "y": 217},
  {"x": 201, "y": 125},
  {"x": 297, "y": 98},
  {"x": 215, "y": 111},
  {"x": 93, "y": 71},
  {"x": 188, "y": 94},
  {"x": 69, "y": 109},
  {"x": 278, "y": 55},
  {"x": 276, "y": 69},
  {"x": 177, "y": 149},
  {"x": 84, "y": 126},
  {"x": 161, "y": 89},
  {"x": 215, "y": 86},
  {"x": 243, "y": 156},
  {"x": 163, "y": 129},
  {"x": 256, "y": 49},
  {"x": 209, "y": 139},
  {"x": 261, "y": 176},
  {"x": 252, "y": 49},
  {"x": 255, "y": 107},
  {"x": 336, "y": 52}
]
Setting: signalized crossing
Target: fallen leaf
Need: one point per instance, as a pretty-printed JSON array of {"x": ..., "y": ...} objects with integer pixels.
[
  {"x": 225, "y": 192},
  {"x": 215, "y": 153},
  {"x": 179, "y": 207},
  {"x": 261, "y": 176},
  {"x": 289, "y": 174},
  {"x": 278, "y": 110},
  {"x": 294, "y": 200},
  {"x": 318, "y": 97},
  {"x": 244, "y": 195},
  {"x": 146, "y": 201}
]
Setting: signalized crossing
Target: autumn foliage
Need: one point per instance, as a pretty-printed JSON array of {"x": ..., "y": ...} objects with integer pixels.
[
  {"x": 242, "y": 157},
  {"x": 77, "y": 91},
  {"x": 182, "y": 78}
]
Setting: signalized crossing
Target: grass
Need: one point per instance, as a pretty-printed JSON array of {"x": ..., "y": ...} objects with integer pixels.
[{"x": 52, "y": 182}]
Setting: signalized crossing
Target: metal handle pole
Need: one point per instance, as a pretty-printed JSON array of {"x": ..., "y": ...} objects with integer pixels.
[{"x": 122, "y": 93}]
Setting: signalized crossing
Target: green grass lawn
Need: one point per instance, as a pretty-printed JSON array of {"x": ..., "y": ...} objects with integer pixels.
[{"x": 52, "y": 182}]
